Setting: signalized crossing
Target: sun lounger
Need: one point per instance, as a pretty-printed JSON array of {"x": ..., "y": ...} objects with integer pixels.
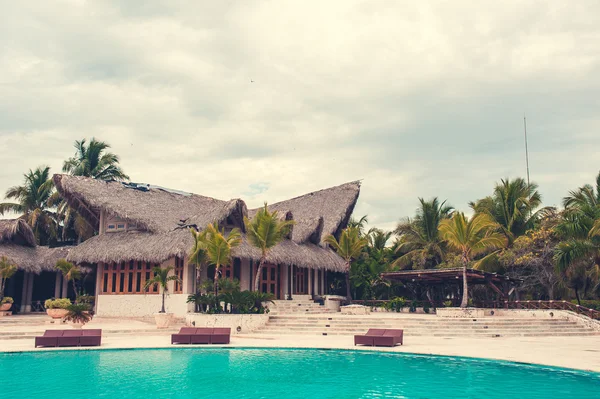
[
  {"x": 201, "y": 335},
  {"x": 379, "y": 337},
  {"x": 66, "y": 338}
]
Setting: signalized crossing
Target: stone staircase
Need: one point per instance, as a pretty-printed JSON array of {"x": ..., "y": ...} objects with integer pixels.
[
  {"x": 426, "y": 325},
  {"x": 297, "y": 306}
]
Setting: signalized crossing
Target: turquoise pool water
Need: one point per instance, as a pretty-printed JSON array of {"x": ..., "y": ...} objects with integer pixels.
[{"x": 278, "y": 373}]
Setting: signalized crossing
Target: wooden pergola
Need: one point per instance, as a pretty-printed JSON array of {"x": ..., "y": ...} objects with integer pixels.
[{"x": 499, "y": 283}]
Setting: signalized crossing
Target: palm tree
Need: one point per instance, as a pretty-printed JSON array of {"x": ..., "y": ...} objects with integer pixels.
[
  {"x": 7, "y": 270},
  {"x": 264, "y": 231},
  {"x": 218, "y": 247},
  {"x": 92, "y": 161},
  {"x": 34, "y": 203},
  {"x": 470, "y": 237},
  {"x": 161, "y": 278},
  {"x": 419, "y": 239},
  {"x": 513, "y": 206},
  {"x": 69, "y": 271},
  {"x": 349, "y": 247},
  {"x": 359, "y": 224},
  {"x": 577, "y": 256},
  {"x": 198, "y": 255}
]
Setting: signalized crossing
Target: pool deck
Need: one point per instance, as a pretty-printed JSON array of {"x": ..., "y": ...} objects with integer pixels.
[{"x": 570, "y": 352}]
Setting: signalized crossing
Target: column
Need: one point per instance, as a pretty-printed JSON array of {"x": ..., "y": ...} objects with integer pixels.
[
  {"x": 284, "y": 280},
  {"x": 24, "y": 292},
  {"x": 57, "y": 285},
  {"x": 323, "y": 287},
  {"x": 292, "y": 280},
  {"x": 65, "y": 288},
  {"x": 310, "y": 280}
]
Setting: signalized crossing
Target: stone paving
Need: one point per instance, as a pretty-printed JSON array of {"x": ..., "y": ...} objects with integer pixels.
[{"x": 580, "y": 352}]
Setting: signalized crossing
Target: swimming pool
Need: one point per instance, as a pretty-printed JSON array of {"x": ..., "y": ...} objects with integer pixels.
[{"x": 278, "y": 373}]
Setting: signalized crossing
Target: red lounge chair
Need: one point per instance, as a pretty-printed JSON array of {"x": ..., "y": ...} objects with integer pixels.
[
  {"x": 184, "y": 336},
  {"x": 69, "y": 338},
  {"x": 91, "y": 338},
  {"x": 220, "y": 336},
  {"x": 367, "y": 339},
  {"x": 49, "y": 338},
  {"x": 389, "y": 338},
  {"x": 202, "y": 336}
]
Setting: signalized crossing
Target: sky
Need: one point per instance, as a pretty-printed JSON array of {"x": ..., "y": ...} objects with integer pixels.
[{"x": 267, "y": 100}]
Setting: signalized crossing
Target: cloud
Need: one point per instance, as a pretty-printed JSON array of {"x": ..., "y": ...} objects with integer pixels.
[{"x": 268, "y": 100}]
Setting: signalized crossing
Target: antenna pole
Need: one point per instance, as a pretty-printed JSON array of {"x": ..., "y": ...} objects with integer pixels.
[{"x": 526, "y": 149}]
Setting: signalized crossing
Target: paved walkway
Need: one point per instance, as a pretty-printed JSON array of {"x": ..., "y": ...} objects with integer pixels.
[{"x": 581, "y": 353}]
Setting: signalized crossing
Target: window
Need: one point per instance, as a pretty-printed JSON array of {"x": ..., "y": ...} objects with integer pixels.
[
  {"x": 121, "y": 226},
  {"x": 127, "y": 278},
  {"x": 179, "y": 273},
  {"x": 111, "y": 227}
]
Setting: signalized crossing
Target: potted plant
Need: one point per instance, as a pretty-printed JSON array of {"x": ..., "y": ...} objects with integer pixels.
[
  {"x": 6, "y": 303},
  {"x": 57, "y": 308},
  {"x": 162, "y": 278},
  {"x": 78, "y": 315}
]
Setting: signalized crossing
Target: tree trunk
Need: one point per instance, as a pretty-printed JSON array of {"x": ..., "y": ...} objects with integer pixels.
[
  {"x": 162, "y": 310},
  {"x": 261, "y": 262},
  {"x": 216, "y": 284},
  {"x": 465, "y": 297},
  {"x": 198, "y": 278},
  {"x": 74, "y": 288},
  {"x": 348, "y": 293},
  {"x": 577, "y": 296}
]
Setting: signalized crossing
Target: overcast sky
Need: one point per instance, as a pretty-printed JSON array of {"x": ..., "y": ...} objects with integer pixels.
[{"x": 265, "y": 100}]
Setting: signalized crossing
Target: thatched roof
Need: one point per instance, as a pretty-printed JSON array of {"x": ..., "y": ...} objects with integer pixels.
[
  {"x": 158, "y": 247},
  {"x": 155, "y": 209},
  {"x": 125, "y": 246},
  {"x": 16, "y": 231},
  {"x": 334, "y": 205},
  {"x": 33, "y": 259},
  {"x": 164, "y": 212}
]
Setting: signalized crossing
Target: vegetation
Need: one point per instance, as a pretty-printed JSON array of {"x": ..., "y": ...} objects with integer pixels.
[
  {"x": 70, "y": 272},
  {"x": 264, "y": 231},
  {"x": 60, "y": 303},
  {"x": 34, "y": 203},
  {"x": 78, "y": 313},
  {"x": 7, "y": 270},
  {"x": 161, "y": 279},
  {"x": 349, "y": 247},
  {"x": 231, "y": 300}
]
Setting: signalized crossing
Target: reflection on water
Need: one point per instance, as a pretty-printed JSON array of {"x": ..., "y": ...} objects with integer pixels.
[{"x": 257, "y": 373}]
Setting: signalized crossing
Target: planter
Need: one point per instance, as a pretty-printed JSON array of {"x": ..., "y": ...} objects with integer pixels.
[
  {"x": 163, "y": 320},
  {"x": 239, "y": 323},
  {"x": 77, "y": 325},
  {"x": 5, "y": 307},
  {"x": 333, "y": 302},
  {"x": 57, "y": 313}
]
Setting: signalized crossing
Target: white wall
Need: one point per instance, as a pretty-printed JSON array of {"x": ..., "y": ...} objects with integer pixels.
[{"x": 140, "y": 305}]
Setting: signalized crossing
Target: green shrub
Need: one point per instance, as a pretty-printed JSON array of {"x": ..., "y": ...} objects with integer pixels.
[
  {"x": 395, "y": 304},
  {"x": 426, "y": 307},
  {"x": 7, "y": 299},
  {"x": 78, "y": 313},
  {"x": 448, "y": 304},
  {"x": 85, "y": 299},
  {"x": 413, "y": 307},
  {"x": 61, "y": 303}
]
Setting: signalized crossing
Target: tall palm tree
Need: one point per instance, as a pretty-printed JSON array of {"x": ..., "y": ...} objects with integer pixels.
[
  {"x": 470, "y": 238},
  {"x": 218, "y": 246},
  {"x": 198, "y": 256},
  {"x": 513, "y": 205},
  {"x": 349, "y": 247},
  {"x": 419, "y": 239},
  {"x": 34, "y": 203},
  {"x": 92, "y": 161},
  {"x": 69, "y": 271},
  {"x": 360, "y": 224},
  {"x": 161, "y": 278},
  {"x": 577, "y": 256},
  {"x": 264, "y": 231}
]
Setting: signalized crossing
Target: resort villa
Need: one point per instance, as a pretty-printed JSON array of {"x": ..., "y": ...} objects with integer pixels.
[{"x": 141, "y": 226}]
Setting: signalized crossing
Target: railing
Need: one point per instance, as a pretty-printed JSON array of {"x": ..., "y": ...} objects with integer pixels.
[
  {"x": 541, "y": 305},
  {"x": 532, "y": 305}
]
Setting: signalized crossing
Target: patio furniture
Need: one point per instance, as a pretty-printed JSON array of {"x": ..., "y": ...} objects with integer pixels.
[
  {"x": 201, "y": 335},
  {"x": 389, "y": 338},
  {"x": 66, "y": 338},
  {"x": 380, "y": 337}
]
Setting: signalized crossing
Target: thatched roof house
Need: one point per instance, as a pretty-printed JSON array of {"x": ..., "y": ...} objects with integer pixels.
[
  {"x": 160, "y": 221},
  {"x": 17, "y": 243}
]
